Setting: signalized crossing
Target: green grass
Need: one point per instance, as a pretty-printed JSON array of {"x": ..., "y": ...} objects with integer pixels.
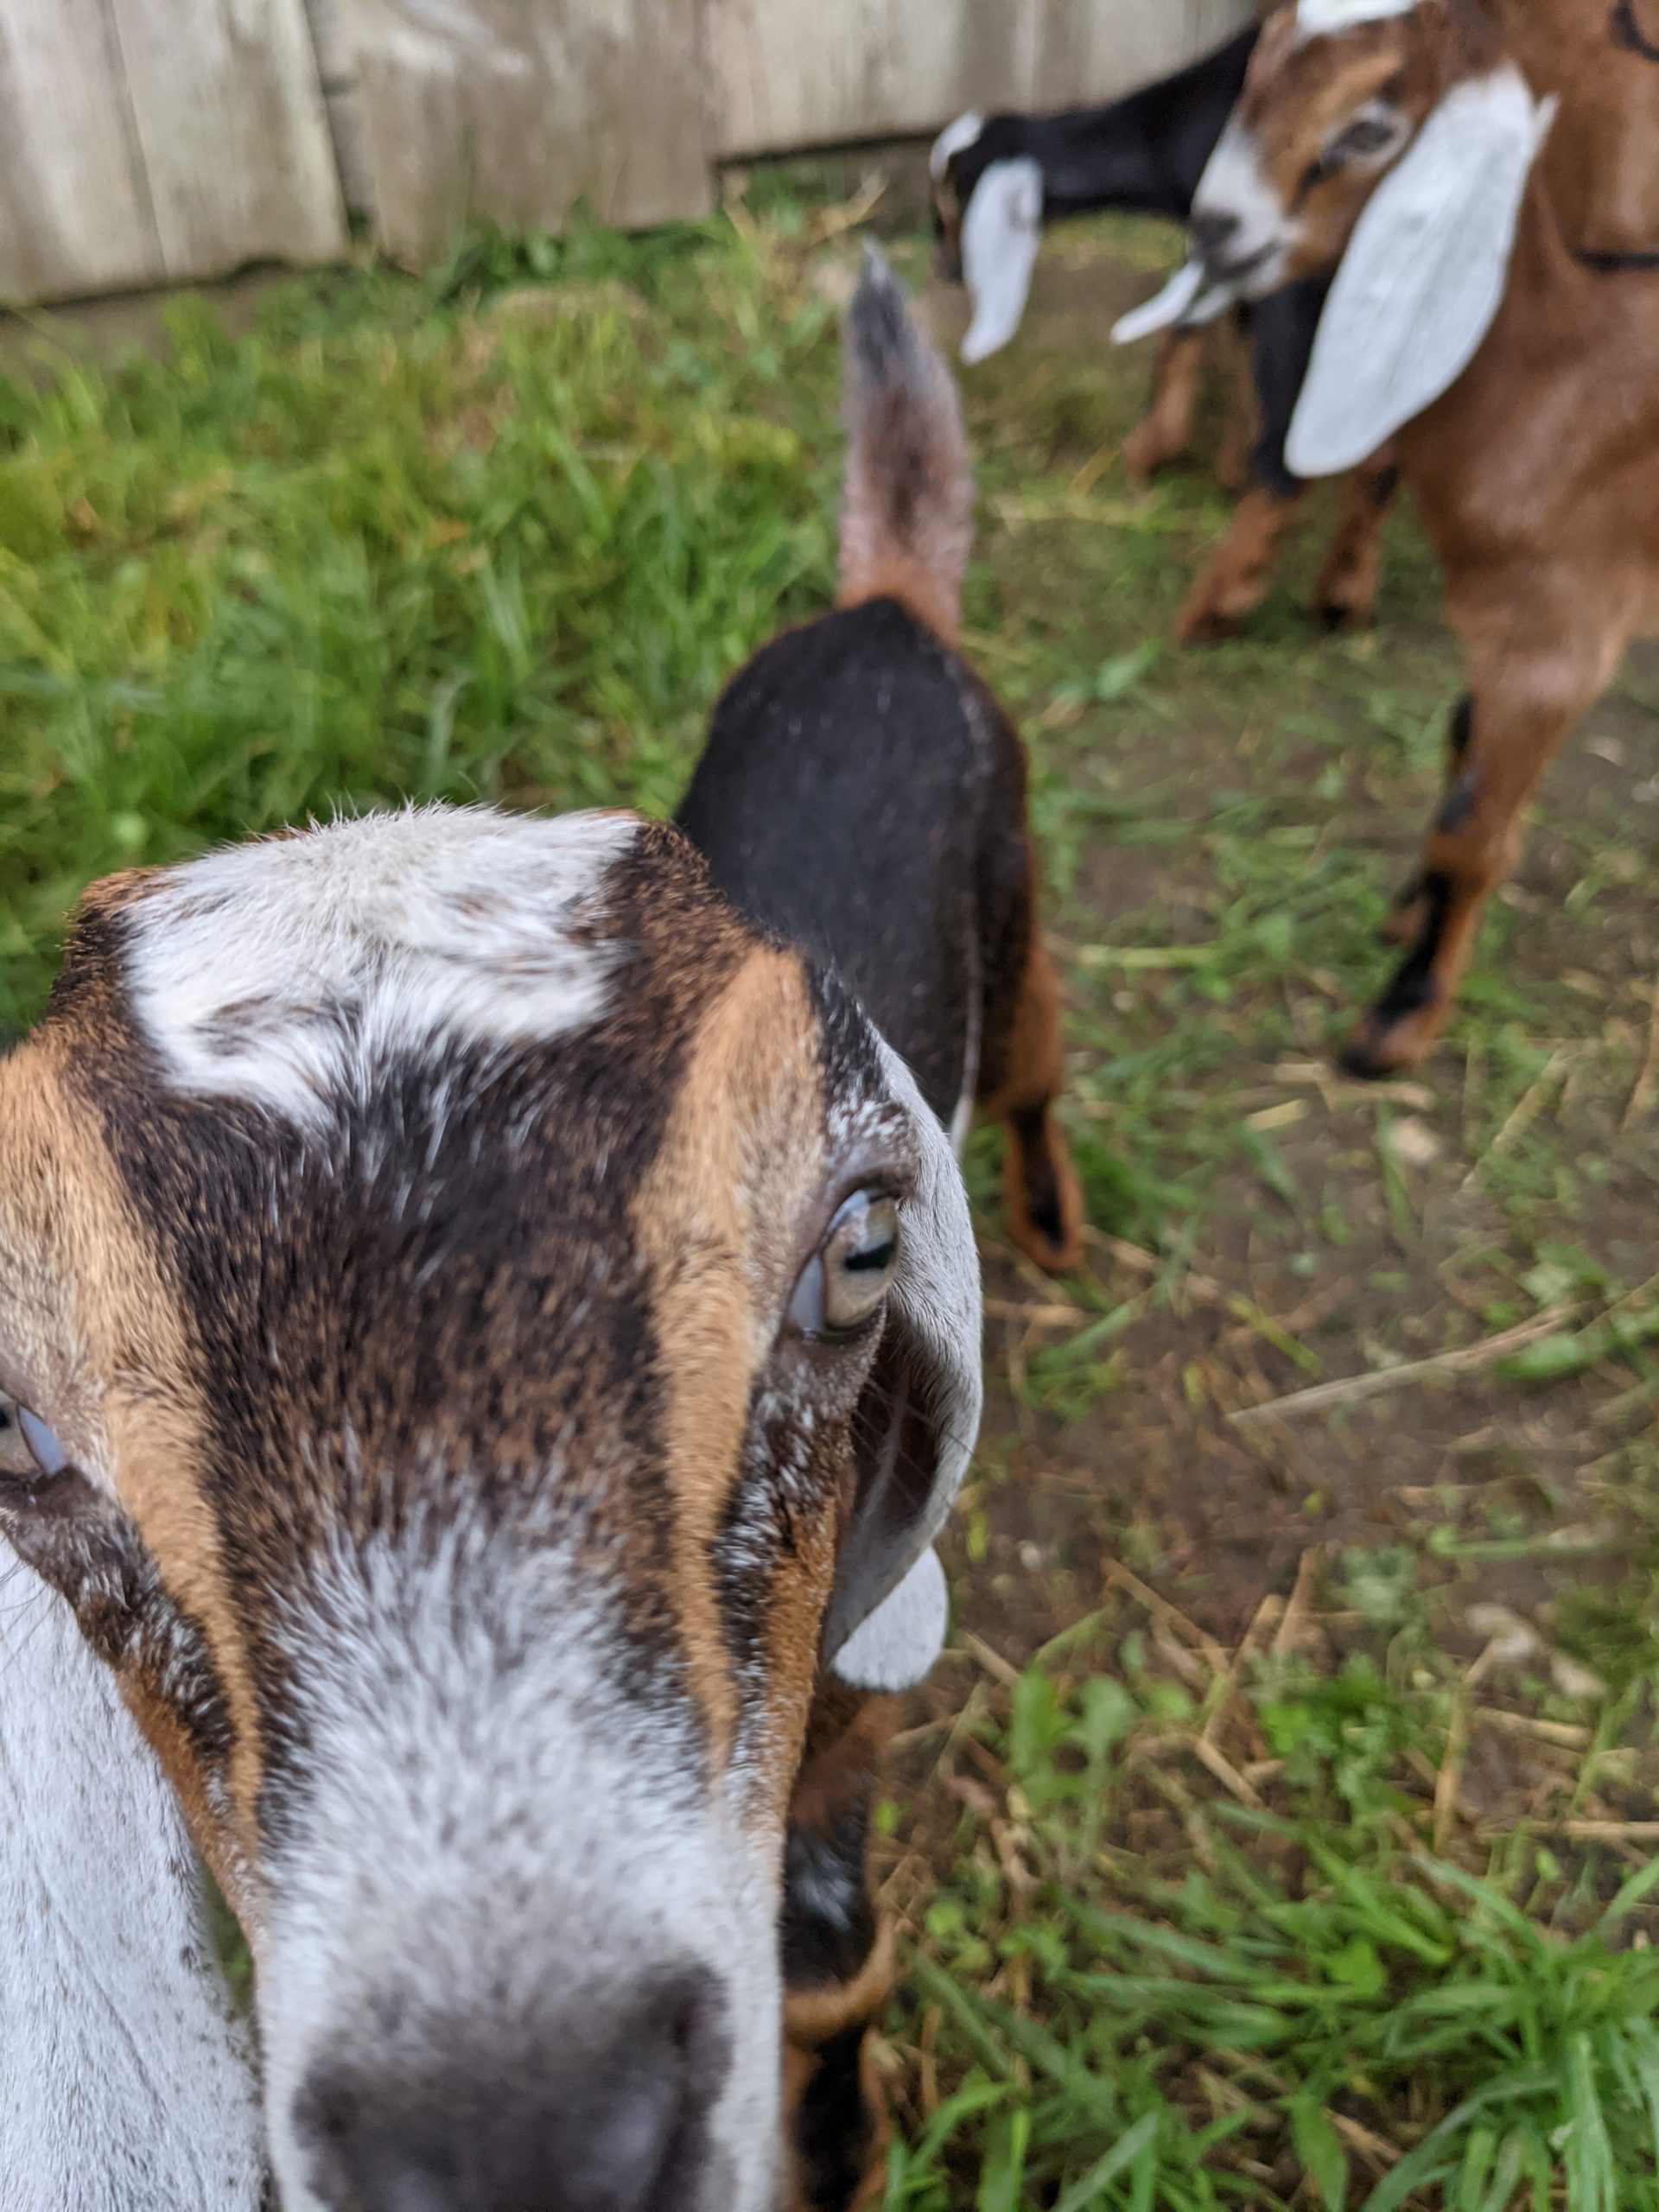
[{"x": 1345, "y": 1905}]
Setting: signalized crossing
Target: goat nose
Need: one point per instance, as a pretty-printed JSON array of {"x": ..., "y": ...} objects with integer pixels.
[
  {"x": 1213, "y": 230},
  {"x": 609, "y": 2121}
]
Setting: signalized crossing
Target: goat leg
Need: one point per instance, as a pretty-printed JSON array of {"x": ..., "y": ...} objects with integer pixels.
[
  {"x": 837, "y": 1960},
  {"x": 1234, "y": 583},
  {"x": 1346, "y": 596},
  {"x": 1039, "y": 1184},
  {"x": 1521, "y": 706},
  {"x": 1165, "y": 431}
]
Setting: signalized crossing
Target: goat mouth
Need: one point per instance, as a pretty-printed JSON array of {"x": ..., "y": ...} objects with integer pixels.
[{"x": 1238, "y": 271}]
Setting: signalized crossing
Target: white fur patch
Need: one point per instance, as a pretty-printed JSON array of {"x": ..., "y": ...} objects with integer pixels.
[
  {"x": 954, "y": 139},
  {"x": 1330, "y": 18},
  {"x": 289, "y": 972},
  {"x": 124, "y": 2081},
  {"x": 1001, "y": 233},
  {"x": 1235, "y": 183},
  {"x": 492, "y": 1844}
]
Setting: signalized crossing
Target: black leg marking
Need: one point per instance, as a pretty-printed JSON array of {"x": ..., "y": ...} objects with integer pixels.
[
  {"x": 1412, "y": 987},
  {"x": 1460, "y": 730},
  {"x": 1384, "y": 485},
  {"x": 829, "y": 1923},
  {"x": 835, "y": 2128},
  {"x": 1458, "y": 804},
  {"x": 1029, "y": 1128}
]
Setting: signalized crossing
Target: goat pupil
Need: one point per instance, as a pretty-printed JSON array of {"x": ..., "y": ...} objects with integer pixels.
[{"x": 872, "y": 1258}]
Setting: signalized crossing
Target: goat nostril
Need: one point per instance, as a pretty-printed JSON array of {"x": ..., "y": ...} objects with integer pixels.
[{"x": 1213, "y": 231}]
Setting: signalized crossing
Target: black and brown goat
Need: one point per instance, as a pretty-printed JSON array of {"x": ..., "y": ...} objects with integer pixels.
[
  {"x": 1519, "y": 377},
  {"x": 1000, "y": 180},
  {"x": 863, "y": 793}
]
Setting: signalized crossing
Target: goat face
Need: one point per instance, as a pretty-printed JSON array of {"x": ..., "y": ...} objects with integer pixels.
[
  {"x": 483, "y": 1330},
  {"x": 1336, "y": 92}
]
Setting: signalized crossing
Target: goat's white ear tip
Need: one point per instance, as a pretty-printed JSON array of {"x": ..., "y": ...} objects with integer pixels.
[{"x": 954, "y": 139}]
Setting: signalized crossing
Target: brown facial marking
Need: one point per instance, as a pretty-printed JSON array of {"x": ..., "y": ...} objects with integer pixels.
[
  {"x": 1301, "y": 91},
  {"x": 719, "y": 1219},
  {"x": 85, "y": 1299}
]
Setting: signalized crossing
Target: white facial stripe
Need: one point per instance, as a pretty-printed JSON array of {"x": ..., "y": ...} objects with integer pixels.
[
  {"x": 1001, "y": 234},
  {"x": 490, "y": 1837},
  {"x": 954, "y": 139},
  {"x": 1330, "y": 18},
  {"x": 284, "y": 971},
  {"x": 1234, "y": 183}
]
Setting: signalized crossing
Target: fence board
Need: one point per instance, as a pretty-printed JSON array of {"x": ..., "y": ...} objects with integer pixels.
[
  {"x": 75, "y": 216},
  {"x": 234, "y": 133},
  {"x": 513, "y": 112},
  {"x": 794, "y": 74}
]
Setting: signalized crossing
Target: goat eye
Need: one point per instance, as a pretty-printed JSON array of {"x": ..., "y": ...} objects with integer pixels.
[
  {"x": 846, "y": 1280},
  {"x": 1365, "y": 135},
  {"x": 42, "y": 1446}
]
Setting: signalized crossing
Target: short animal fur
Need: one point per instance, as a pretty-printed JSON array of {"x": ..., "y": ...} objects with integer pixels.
[
  {"x": 1535, "y": 470},
  {"x": 863, "y": 793}
]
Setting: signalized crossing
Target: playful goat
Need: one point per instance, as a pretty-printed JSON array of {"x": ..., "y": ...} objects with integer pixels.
[
  {"x": 998, "y": 180},
  {"x": 1399, "y": 139},
  {"x": 489, "y": 1330}
]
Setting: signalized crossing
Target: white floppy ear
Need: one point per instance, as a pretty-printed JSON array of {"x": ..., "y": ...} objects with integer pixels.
[
  {"x": 1424, "y": 273},
  {"x": 1002, "y": 230},
  {"x": 915, "y": 1430},
  {"x": 125, "y": 2079}
]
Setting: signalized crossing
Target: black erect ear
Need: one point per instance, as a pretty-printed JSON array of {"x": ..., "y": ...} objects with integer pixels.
[
  {"x": 126, "y": 2078},
  {"x": 916, "y": 1430}
]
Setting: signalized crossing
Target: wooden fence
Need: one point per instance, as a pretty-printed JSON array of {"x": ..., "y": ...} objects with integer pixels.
[{"x": 148, "y": 142}]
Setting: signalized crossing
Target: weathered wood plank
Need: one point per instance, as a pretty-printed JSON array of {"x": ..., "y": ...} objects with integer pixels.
[
  {"x": 1087, "y": 51},
  {"x": 513, "y": 111},
  {"x": 75, "y": 216},
  {"x": 234, "y": 135},
  {"x": 335, "y": 66},
  {"x": 792, "y": 74}
]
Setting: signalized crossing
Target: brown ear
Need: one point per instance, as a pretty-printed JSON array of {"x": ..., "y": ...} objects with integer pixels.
[
  {"x": 916, "y": 1429},
  {"x": 126, "y": 2078}
]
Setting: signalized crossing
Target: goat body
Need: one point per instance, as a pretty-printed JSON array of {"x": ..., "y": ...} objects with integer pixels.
[{"x": 1536, "y": 469}]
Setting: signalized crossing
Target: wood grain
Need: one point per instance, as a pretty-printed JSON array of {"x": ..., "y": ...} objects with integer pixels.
[{"x": 513, "y": 111}]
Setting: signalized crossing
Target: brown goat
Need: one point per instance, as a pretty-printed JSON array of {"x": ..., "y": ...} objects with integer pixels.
[{"x": 1399, "y": 139}]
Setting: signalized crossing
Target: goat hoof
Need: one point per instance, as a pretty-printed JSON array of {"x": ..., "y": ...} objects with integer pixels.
[
  {"x": 1045, "y": 1204},
  {"x": 1144, "y": 457},
  {"x": 1336, "y": 617},
  {"x": 1207, "y": 626},
  {"x": 1380, "y": 1048}
]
